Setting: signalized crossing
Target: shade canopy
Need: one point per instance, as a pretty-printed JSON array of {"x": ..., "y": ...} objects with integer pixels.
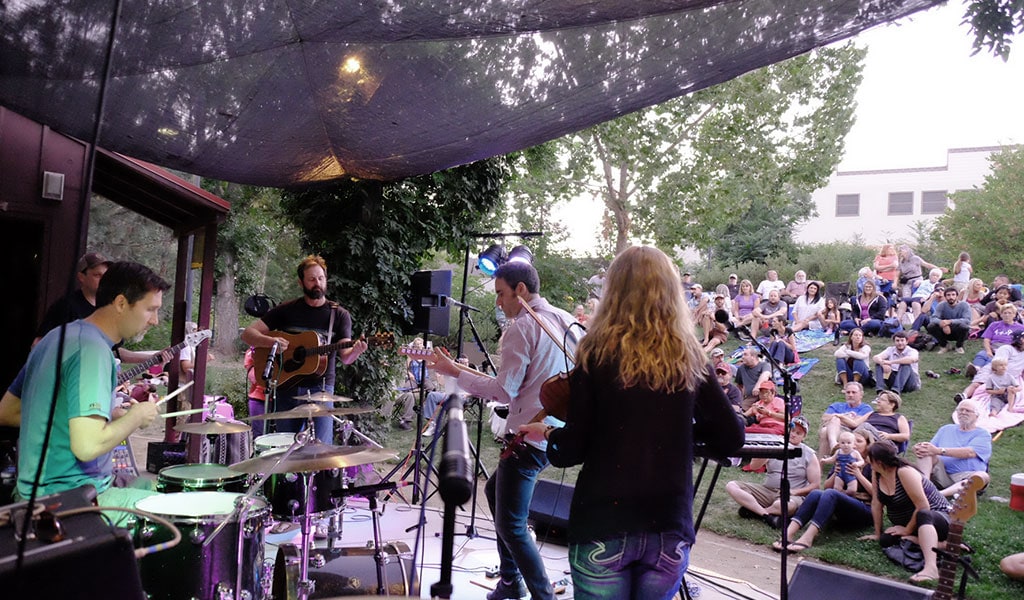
[{"x": 292, "y": 92}]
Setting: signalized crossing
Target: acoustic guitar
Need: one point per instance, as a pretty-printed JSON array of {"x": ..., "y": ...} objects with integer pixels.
[
  {"x": 191, "y": 339},
  {"x": 965, "y": 506},
  {"x": 306, "y": 354}
]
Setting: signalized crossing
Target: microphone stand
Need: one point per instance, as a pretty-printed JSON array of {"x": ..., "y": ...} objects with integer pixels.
[{"x": 788, "y": 389}]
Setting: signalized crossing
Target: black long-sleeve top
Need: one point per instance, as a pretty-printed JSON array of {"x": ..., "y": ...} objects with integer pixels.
[{"x": 636, "y": 446}]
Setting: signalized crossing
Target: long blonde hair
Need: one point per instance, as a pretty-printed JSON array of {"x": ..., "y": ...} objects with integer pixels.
[{"x": 644, "y": 325}]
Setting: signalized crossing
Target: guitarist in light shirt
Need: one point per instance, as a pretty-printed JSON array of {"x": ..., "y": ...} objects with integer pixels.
[
  {"x": 529, "y": 357},
  {"x": 313, "y": 312}
]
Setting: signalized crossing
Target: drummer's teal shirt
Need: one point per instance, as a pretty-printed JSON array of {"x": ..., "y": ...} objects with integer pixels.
[{"x": 88, "y": 378}]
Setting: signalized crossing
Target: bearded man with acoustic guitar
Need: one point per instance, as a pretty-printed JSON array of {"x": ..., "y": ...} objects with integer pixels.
[
  {"x": 312, "y": 312},
  {"x": 529, "y": 357}
]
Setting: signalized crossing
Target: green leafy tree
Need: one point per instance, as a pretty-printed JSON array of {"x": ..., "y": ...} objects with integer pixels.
[
  {"x": 994, "y": 23},
  {"x": 374, "y": 235},
  {"x": 680, "y": 173},
  {"x": 989, "y": 222},
  {"x": 253, "y": 241}
]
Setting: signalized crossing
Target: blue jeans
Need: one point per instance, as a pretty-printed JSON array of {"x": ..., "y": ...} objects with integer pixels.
[
  {"x": 868, "y": 326},
  {"x": 851, "y": 366},
  {"x": 324, "y": 425},
  {"x": 901, "y": 380},
  {"x": 509, "y": 491},
  {"x": 821, "y": 505},
  {"x": 630, "y": 565},
  {"x": 782, "y": 353},
  {"x": 981, "y": 358}
]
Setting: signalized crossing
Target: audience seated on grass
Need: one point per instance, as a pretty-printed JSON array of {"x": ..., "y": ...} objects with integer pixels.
[
  {"x": 896, "y": 367},
  {"x": 842, "y": 416},
  {"x": 956, "y": 451}
]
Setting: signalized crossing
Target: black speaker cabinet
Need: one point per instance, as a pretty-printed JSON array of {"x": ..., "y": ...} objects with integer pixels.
[
  {"x": 549, "y": 508},
  {"x": 428, "y": 293},
  {"x": 94, "y": 560},
  {"x": 813, "y": 581}
]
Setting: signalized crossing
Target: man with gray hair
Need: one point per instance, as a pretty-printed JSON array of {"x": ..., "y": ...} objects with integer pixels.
[{"x": 956, "y": 451}]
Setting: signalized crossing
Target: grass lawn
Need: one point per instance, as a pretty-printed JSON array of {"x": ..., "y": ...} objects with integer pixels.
[{"x": 993, "y": 533}]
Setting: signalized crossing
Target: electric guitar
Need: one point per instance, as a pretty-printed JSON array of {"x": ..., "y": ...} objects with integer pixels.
[
  {"x": 191, "y": 339},
  {"x": 307, "y": 354},
  {"x": 965, "y": 505}
]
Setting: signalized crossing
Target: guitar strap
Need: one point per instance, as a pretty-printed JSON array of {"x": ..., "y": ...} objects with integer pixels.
[{"x": 330, "y": 326}]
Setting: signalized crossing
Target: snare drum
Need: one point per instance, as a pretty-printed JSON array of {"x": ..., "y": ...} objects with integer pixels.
[
  {"x": 190, "y": 570},
  {"x": 287, "y": 493},
  {"x": 200, "y": 478}
]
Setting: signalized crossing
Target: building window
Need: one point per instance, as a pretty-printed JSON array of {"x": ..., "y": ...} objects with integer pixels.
[
  {"x": 847, "y": 205},
  {"x": 901, "y": 203},
  {"x": 933, "y": 203}
]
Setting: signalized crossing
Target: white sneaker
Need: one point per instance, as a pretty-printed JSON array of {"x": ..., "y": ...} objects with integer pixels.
[{"x": 429, "y": 431}]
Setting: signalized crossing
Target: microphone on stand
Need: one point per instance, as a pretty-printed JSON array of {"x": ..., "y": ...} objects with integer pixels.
[
  {"x": 270, "y": 361},
  {"x": 455, "y": 479},
  {"x": 448, "y": 300}
]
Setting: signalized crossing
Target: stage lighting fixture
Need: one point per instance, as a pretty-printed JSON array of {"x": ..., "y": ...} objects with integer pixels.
[
  {"x": 490, "y": 259},
  {"x": 520, "y": 254}
]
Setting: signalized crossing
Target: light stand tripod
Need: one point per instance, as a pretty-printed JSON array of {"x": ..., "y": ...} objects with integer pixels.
[{"x": 416, "y": 453}]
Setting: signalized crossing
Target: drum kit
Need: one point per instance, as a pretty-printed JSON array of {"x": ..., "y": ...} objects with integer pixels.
[{"x": 223, "y": 512}]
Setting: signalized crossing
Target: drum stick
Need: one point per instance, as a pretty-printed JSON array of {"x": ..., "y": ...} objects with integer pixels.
[
  {"x": 174, "y": 393},
  {"x": 182, "y": 413}
]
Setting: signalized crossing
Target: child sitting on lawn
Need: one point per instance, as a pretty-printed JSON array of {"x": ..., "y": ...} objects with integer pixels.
[
  {"x": 1002, "y": 387},
  {"x": 846, "y": 454}
]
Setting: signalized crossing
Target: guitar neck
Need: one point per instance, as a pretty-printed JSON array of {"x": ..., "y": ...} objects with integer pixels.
[
  {"x": 330, "y": 347},
  {"x": 947, "y": 566},
  {"x": 125, "y": 376}
]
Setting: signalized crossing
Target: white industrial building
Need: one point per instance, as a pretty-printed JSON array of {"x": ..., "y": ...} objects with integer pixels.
[{"x": 882, "y": 205}]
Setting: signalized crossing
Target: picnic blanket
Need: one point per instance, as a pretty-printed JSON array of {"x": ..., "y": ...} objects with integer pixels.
[
  {"x": 797, "y": 370},
  {"x": 1007, "y": 418}
]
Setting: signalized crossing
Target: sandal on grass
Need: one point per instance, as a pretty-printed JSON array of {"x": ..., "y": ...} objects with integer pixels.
[{"x": 798, "y": 547}]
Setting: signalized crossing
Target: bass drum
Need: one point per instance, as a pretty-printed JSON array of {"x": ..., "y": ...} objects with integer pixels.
[{"x": 346, "y": 572}]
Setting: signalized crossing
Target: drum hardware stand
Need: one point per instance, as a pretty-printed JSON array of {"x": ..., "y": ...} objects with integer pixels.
[
  {"x": 348, "y": 429},
  {"x": 370, "y": 493}
]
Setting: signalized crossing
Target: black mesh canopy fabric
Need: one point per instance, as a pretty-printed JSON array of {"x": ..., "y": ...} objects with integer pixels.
[{"x": 290, "y": 92}]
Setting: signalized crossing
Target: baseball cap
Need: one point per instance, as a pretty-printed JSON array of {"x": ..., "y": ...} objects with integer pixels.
[
  {"x": 800, "y": 422},
  {"x": 723, "y": 368},
  {"x": 717, "y": 352},
  {"x": 687, "y": 273},
  {"x": 767, "y": 385},
  {"x": 90, "y": 260},
  {"x": 733, "y": 276},
  {"x": 1016, "y": 336}
]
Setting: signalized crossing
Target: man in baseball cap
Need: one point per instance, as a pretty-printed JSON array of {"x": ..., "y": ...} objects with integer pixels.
[{"x": 80, "y": 303}]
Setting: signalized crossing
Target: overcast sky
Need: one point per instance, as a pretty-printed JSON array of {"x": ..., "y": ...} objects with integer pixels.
[{"x": 924, "y": 93}]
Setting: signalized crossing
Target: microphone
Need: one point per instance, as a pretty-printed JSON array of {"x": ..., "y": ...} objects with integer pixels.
[
  {"x": 455, "y": 480},
  {"x": 270, "y": 361},
  {"x": 723, "y": 317},
  {"x": 452, "y": 301}
]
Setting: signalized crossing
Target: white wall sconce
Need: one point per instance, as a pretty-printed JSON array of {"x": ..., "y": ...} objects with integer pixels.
[{"x": 53, "y": 185}]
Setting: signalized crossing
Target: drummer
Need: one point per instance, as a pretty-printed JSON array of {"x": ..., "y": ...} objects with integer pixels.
[
  {"x": 313, "y": 311},
  {"x": 87, "y": 426}
]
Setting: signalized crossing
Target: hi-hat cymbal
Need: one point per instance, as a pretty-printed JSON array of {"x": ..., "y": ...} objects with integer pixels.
[
  {"x": 305, "y": 411},
  {"x": 322, "y": 397},
  {"x": 213, "y": 427},
  {"x": 314, "y": 456}
]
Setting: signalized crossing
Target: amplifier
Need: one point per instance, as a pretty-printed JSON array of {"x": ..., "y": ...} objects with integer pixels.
[{"x": 93, "y": 560}]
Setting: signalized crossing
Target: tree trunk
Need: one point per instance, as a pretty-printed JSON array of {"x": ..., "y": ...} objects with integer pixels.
[{"x": 225, "y": 310}]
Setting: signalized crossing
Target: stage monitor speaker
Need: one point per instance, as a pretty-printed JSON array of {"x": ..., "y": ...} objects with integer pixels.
[
  {"x": 813, "y": 581},
  {"x": 94, "y": 560},
  {"x": 549, "y": 507},
  {"x": 428, "y": 295}
]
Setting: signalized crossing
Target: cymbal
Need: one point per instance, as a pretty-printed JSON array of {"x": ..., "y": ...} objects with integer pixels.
[
  {"x": 213, "y": 427},
  {"x": 314, "y": 456},
  {"x": 305, "y": 411},
  {"x": 322, "y": 397}
]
